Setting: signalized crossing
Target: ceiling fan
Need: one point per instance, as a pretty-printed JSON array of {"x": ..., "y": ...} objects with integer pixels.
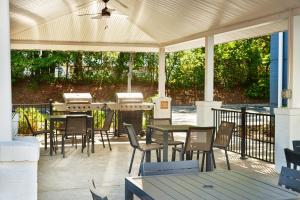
[{"x": 105, "y": 12}]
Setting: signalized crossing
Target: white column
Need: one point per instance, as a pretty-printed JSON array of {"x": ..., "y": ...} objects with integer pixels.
[
  {"x": 209, "y": 69},
  {"x": 162, "y": 73},
  {"x": 5, "y": 73},
  {"x": 204, "y": 108},
  {"x": 294, "y": 61},
  {"x": 287, "y": 119}
]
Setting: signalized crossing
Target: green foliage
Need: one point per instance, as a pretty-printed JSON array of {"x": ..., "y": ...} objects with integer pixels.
[
  {"x": 35, "y": 117},
  {"x": 243, "y": 63}
]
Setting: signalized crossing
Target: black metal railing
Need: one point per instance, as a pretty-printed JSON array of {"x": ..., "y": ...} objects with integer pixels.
[
  {"x": 254, "y": 133},
  {"x": 38, "y": 113}
]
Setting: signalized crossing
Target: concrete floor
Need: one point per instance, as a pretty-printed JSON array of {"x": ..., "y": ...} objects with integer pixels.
[{"x": 69, "y": 178}]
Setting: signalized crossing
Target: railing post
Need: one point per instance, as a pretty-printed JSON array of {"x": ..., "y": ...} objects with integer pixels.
[
  {"x": 50, "y": 107},
  {"x": 243, "y": 134}
]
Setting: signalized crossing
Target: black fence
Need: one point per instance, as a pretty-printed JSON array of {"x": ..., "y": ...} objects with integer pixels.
[
  {"x": 254, "y": 133},
  {"x": 38, "y": 113}
]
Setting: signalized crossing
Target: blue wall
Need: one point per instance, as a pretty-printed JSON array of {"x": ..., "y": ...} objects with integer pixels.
[{"x": 274, "y": 69}]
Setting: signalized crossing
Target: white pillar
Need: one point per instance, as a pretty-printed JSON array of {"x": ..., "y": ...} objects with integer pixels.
[
  {"x": 18, "y": 156},
  {"x": 287, "y": 119},
  {"x": 162, "y": 104},
  {"x": 209, "y": 69},
  {"x": 162, "y": 73},
  {"x": 204, "y": 108},
  {"x": 5, "y": 73},
  {"x": 294, "y": 61}
]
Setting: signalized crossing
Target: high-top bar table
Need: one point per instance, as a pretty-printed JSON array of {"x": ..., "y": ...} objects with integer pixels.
[
  {"x": 62, "y": 118},
  {"x": 166, "y": 129},
  {"x": 217, "y": 185}
]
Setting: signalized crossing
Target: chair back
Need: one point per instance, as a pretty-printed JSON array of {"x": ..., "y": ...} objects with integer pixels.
[
  {"x": 76, "y": 124},
  {"x": 199, "y": 139},
  {"x": 29, "y": 124},
  {"x": 292, "y": 157},
  {"x": 134, "y": 142},
  {"x": 224, "y": 134},
  {"x": 95, "y": 194},
  {"x": 296, "y": 145},
  {"x": 108, "y": 120},
  {"x": 164, "y": 168},
  {"x": 290, "y": 178},
  {"x": 158, "y": 135}
]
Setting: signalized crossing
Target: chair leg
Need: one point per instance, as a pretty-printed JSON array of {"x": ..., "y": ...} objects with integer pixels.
[
  {"x": 63, "y": 145},
  {"x": 88, "y": 145},
  {"x": 108, "y": 140},
  {"x": 227, "y": 160},
  {"x": 198, "y": 155},
  {"x": 213, "y": 158},
  {"x": 45, "y": 138},
  {"x": 202, "y": 163},
  {"x": 181, "y": 154},
  {"x": 158, "y": 155},
  {"x": 174, "y": 153},
  {"x": 102, "y": 139},
  {"x": 141, "y": 164},
  {"x": 131, "y": 161}
]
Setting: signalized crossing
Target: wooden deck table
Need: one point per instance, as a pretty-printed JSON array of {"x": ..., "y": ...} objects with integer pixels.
[
  {"x": 166, "y": 129},
  {"x": 62, "y": 118},
  {"x": 217, "y": 185}
]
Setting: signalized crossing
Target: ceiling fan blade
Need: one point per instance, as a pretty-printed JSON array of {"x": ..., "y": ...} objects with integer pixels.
[
  {"x": 97, "y": 17},
  {"x": 88, "y": 14},
  {"x": 111, "y": 10}
]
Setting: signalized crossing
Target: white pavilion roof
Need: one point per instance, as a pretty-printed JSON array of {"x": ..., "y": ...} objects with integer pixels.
[{"x": 174, "y": 24}]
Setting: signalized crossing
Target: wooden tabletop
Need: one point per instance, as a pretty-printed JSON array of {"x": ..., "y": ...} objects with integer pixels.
[{"x": 223, "y": 185}]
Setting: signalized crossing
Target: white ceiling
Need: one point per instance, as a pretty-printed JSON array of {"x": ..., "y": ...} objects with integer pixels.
[{"x": 175, "y": 24}]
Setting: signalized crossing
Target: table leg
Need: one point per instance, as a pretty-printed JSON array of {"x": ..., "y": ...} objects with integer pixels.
[
  {"x": 209, "y": 162},
  {"x": 93, "y": 136},
  {"x": 165, "y": 147},
  {"x": 128, "y": 193},
  {"x": 148, "y": 141},
  {"x": 51, "y": 136}
]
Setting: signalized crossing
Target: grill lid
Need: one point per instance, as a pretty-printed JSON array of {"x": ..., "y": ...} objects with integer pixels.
[
  {"x": 77, "y": 98},
  {"x": 129, "y": 97}
]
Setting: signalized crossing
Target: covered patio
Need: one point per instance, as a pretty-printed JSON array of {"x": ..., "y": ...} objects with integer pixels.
[
  {"x": 144, "y": 26},
  {"x": 56, "y": 178}
]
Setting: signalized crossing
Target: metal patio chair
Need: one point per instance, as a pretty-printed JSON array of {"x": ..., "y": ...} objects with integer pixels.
[
  {"x": 164, "y": 168},
  {"x": 157, "y": 136},
  {"x": 33, "y": 132},
  {"x": 134, "y": 142},
  {"x": 296, "y": 145},
  {"x": 290, "y": 178},
  {"x": 199, "y": 139},
  {"x": 95, "y": 194},
  {"x": 106, "y": 127},
  {"x": 77, "y": 126},
  {"x": 292, "y": 157},
  {"x": 223, "y": 138}
]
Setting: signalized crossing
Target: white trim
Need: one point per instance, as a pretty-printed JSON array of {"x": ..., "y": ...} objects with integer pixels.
[
  {"x": 248, "y": 23},
  {"x": 280, "y": 67}
]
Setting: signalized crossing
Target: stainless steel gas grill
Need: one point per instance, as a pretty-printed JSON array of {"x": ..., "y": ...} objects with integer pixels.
[
  {"x": 130, "y": 110},
  {"x": 129, "y": 107},
  {"x": 77, "y": 102}
]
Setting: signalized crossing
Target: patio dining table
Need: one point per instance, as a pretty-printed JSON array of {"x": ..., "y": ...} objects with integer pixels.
[
  {"x": 222, "y": 185},
  {"x": 166, "y": 129},
  {"x": 62, "y": 118}
]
